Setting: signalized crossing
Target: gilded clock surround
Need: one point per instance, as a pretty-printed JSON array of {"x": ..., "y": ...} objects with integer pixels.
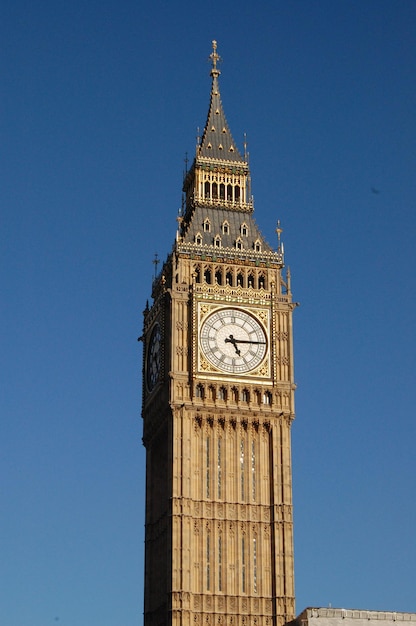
[
  {"x": 206, "y": 311},
  {"x": 219, "y": 528}
]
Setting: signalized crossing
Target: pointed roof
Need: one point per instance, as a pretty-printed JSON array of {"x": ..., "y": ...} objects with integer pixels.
[{"x": 217, "y": 141}]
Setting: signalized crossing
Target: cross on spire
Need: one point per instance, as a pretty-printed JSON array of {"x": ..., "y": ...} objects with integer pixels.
[{"x": 215, "y": 58}]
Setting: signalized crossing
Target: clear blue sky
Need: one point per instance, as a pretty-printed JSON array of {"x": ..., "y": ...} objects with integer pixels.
[{"x": 100, "y": 102}]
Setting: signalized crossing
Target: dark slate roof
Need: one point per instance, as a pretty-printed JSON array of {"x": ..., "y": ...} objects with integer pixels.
[
  {"x": 217, "y": 141},
  {"x": 217, "y": 216}
]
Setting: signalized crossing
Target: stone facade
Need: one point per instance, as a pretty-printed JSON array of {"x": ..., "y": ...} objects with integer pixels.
[
  {"x": 218, "y": 404},
  {"x": 352, "y": 617}
]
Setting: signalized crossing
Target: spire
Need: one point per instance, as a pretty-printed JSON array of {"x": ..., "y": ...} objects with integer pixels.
[{"x": 217, "y": 141}]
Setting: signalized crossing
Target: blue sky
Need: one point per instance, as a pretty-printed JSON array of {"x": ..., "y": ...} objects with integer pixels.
[{"x": 100, "y": 102}]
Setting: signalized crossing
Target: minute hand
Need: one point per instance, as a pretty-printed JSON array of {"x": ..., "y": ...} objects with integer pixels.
[{"x": 260, "y": 343}]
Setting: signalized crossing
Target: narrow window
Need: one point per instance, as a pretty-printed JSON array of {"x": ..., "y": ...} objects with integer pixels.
[
  {"x": 244, "y": 230},
  {"x": 207, "y": 225},
  {"x": 222, "y": 191},
  {"x": 207, "y": 466},
  {"x": 199, "y": 391},
  {"x": 214, "y": 190},
  {"x": 240, "y": 280},
  {"x": 237, "y": 193},
  {"x": 207, "y": 190},
  {"x": 208, "y": 562},
  {"x": 255, "y": 565},
  {"x": 207, "y": 276},
  {"x": 229, "y": 192},
  {"x": 253, "y": 471},
  {"x": 243, "y": 565},
  {"x": 217, "y": 242},
  {"x": 220, "y": 563},
  {"x": 242, "y": 485},
  {"x": 229, "y": 279},
  {"x": 225, "y": 228},
  {"x": 219, "y": 469},
  {"x": 218, "y": 277}
]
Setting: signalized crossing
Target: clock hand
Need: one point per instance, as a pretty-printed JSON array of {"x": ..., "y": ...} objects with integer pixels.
[
  {"x": 231, "y": 339},
  {"x": 260, "y": 343}
]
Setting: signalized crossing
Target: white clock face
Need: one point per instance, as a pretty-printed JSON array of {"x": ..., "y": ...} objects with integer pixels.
[{"x": 233, "y": 341}]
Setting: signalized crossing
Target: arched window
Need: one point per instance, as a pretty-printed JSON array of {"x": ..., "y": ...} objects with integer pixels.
[
  {"x": 239, "y": 244},
  {"x": 250, "y": 281},
  {"x": 245, "y": 395},
  {"x": 218, "y": 277},
  {"x": 229, "y": 279},
  {"x": 207, "y": 225},
  {"x": 207, "y": 190},
  {"x": 267, "y": 397},
  {"x": 237, "y": 193},
  {"x": 229, "y": 192},
  {"x": 222, "y": 191},
  {"x": 262, "y": 281},
  {"x": 222, "y": 394},
  {"x": 214, "y": 190},
  {"x": 199, "y": 391},
  {"x": 244, "y": 229},
  {"x": 207, "y": 276},
  {"x": 198, "y": 239},
  {"x": 197, "y": 275},
  {"x": 225, "y": 228},
  {"x": 240, "y": 280},
  {"x": 257, "y": 245},
  {"x": 217, "y": 241}
]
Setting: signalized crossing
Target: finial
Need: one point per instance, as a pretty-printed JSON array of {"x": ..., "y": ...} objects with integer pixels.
[
  {"x": 279, "y": 231},
  {"x": 179, "y": 219},
  {"x": 215, "y": 58},
  {"x": 156, "y": 262},
  {"x": 186, "y": 161}
]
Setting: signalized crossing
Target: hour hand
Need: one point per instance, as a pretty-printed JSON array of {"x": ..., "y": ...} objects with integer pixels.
[{"x": 231, "y": 339}]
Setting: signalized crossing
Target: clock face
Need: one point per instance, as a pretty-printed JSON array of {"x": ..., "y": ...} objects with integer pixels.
[
  {"x": 233, "y": 341},
  {"x": 153, "y": 358}
]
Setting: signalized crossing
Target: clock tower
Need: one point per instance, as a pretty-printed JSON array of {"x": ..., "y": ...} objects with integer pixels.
[{"x": 218, "y": 404}]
